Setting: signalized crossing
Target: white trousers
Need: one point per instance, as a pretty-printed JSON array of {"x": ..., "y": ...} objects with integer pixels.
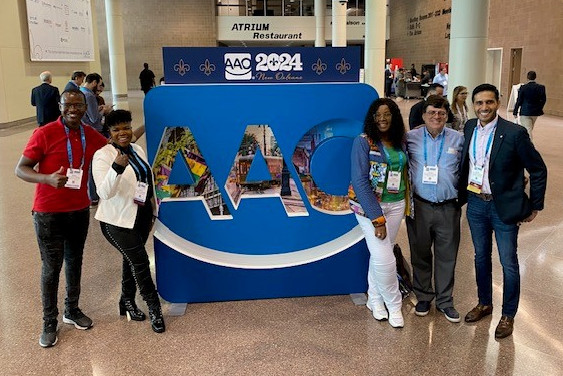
[{"x": 383, "y": 285}]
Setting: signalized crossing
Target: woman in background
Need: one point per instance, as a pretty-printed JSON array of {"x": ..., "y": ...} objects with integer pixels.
[
  {"x": 459, "y": 108},
  {"x": 377, "y": 197}
]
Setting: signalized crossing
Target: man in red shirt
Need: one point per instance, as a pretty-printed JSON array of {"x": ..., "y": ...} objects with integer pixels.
[{"x": 62, "y": 151}]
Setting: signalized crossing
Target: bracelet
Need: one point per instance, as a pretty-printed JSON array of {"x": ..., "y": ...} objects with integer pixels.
[{"x": 379, "y": 221}]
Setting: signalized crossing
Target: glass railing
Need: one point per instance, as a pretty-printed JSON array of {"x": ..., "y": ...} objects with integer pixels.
[{"x": 281, "y": 7}]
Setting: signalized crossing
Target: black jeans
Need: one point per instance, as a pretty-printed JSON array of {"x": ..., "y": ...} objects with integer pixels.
[
  {"x": 61, "y": 237},
  {"x": 131, "y": 244}
]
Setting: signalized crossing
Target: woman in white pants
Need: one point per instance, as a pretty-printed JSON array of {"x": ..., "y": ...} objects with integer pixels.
[{"x": 379, "y": 199}]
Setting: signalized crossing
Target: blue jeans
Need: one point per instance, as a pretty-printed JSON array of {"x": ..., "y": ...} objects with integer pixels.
[
  {"x": 61, "y": 237},
  {"x": 483, "y": 220}
]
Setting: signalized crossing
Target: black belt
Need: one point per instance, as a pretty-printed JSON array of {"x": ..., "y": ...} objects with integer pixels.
[
  {"x": 441, "y": 203},
  {"x": 484, "y": 196}
]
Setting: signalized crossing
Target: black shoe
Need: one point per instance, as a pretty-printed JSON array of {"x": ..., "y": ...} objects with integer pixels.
[
  {"x": 49, "y": 335},
  {"x": 157, "y": 321},
  {"x": 451, "y": 314},
  {"x": 422, "y": 308},
  {"x": 129, "y": 308},
  {"x": 78, "y": 319}
]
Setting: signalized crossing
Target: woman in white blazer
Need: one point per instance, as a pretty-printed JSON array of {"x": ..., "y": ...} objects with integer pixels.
[{"x": 126, "y": 213}]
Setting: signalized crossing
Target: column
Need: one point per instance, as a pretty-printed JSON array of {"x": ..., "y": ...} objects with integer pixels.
[
  {"x": 320, "y": 14},
  {"x": 468, "y": 45},
  {"x": 339, "y": 23},
  {"x": 374, "y": 54},
  {"x": 116, "y": 51}
]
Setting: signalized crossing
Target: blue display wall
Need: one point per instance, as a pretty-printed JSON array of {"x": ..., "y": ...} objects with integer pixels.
[{"x": 252, "y": 182}]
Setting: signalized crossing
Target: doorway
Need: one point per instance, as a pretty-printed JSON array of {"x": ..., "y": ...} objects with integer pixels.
[
  {"x": 515, "y": 68},
  {"x": 494, "y": 66}
]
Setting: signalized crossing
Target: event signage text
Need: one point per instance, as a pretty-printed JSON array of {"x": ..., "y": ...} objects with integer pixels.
[{"x": 196, "y": 65}]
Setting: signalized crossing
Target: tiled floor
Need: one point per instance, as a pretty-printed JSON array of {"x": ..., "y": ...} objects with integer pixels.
[{"x": 304, "y": 336}]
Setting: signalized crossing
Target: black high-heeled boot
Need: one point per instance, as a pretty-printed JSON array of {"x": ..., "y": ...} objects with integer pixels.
[
  {"x": 129, "y": 308},
  {"x": 157, "y": 321}
]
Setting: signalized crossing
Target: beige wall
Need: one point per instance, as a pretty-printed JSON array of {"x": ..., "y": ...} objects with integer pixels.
[
  {"x": 536, "y": 26},
  {"x": 149, "y": 25},
  {"x": 421, "y": 41},
  {"x": 18, "y": 74}
]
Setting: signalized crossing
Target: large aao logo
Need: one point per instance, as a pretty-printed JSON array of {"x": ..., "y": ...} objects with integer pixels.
[
  {"x": 238, "y": 66},
  {"x": 258, "y": 181}
]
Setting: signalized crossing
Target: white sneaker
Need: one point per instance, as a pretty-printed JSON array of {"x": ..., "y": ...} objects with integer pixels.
[
  {"x": 378, "y": 309},
  {"x": 396, "y": 319}
]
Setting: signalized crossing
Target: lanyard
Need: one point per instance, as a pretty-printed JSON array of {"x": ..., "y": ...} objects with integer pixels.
[
  {"x": 69, "y": 148},
  {"x": 136, "y": 168},
  {"x": 439, "y": 152},
  {"x": 389, "y": 158},
  {"x": 489, "y": 142}
]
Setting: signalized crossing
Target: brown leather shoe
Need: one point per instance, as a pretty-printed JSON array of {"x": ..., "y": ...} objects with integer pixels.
[
  {"x": 478, "y": 313},
  {"x": 504, "y": 327}
]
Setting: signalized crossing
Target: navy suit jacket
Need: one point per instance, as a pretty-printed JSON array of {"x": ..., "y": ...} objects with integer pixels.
[
  {"x": 511, "y": 153},
  {"x": 45, "y": 98},
  {"x": 531, "y": 99}
]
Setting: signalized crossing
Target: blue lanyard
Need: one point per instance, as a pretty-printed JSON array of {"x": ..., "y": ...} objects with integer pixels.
[
  {"x": 439, "y": 152},
  {"x": 489, "y": 142},
  {"x": 389, "y": 158},
  {"x": 69, "y": 147},
  {"x": 134, "y": 167}
]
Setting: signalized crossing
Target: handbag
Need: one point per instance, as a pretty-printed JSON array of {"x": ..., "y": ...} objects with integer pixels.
[{"x": 403, "y": 272}]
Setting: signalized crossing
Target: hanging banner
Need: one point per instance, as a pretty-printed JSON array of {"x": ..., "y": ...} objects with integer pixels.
[{"x": 256, "y": 65}]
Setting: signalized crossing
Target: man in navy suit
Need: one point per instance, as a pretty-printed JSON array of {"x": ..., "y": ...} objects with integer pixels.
[
  {"x": 495, "y": 154},
  {"x": 531, "y": 99},
  {"x": 45, "y": 98}
]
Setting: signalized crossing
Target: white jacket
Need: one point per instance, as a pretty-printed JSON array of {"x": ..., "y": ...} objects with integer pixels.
[{"x": 116, "y": 192}]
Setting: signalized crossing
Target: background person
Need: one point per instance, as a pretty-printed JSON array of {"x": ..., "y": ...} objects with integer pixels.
[
  {"x": 76, "y": 81},
  {"x": 45, "y": 98},
  {"x": 459, "y": 108},
  {"x": 126, "y": 213},
  {"x": 531, "y": 99},
  {"x": 147, "y": 79},
  {"x": 377, "y": 197}
]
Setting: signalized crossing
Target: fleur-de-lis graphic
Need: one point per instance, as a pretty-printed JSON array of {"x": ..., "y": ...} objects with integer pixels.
[
  {"x": 319, "y": 67},
  {"x": 207, "y": 67},
  {"x": 182, "y": 68},
  {"x": 343, "y": 66}
]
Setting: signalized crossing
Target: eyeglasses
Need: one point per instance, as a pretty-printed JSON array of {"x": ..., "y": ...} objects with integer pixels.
[
  {"x": 78, "y": 106},
  {"x": 384, "y": 115},
  {"x": 437, "y": 113}
]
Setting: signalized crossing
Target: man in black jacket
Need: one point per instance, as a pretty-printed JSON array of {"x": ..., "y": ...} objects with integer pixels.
[
  {"x": 495, "y": 154},
  {"x": 531, "y": 99},
  {"x": 45, "y": 98}
]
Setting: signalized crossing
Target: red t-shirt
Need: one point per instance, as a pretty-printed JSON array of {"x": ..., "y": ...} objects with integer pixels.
[{"x": 48, "y": 146}]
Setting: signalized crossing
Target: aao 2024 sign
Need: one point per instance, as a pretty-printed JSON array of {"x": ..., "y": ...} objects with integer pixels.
[
  {"x": 190, "y": 65},
  {"x": 252, "y": 183}
]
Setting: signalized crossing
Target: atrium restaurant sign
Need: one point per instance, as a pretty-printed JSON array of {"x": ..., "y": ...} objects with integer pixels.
[
  {"x": 239, "y": 65},
  {"x": 296, "y": 30}
]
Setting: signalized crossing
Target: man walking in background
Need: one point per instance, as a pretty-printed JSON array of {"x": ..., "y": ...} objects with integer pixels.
[
  {"x": 531, "y": 99},
  {"x": 45, "y": 98},
  {"x": 147, "y": 79}
]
